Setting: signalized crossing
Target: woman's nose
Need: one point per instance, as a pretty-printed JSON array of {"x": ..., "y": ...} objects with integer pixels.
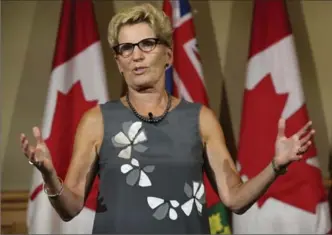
[{"x": 137, "y": 53}]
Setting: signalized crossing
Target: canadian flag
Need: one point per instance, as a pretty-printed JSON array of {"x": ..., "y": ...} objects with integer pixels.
[
  {"x": 296, "y": 202},
  {"x": 77, "y": 84}
]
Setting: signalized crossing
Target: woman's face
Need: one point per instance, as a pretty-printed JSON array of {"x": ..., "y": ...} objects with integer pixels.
[{"x": 145, "y": 67}]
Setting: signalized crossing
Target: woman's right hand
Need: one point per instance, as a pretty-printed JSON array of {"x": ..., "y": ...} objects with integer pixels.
[{"x": 38, "y": 155}]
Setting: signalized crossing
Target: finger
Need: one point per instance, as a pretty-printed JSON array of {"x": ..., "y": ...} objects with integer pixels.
[
  {"x": 22, "y": 137},
  {"x": 307, "y": 137},
  {"x": 306, "y": 146},
  {"x": 27, "y": 149},
  {"x": 281, "y": 127},
  {"x": 37, "y": 134},
  {"x": 25, "y": 146},
  {"x": 297, "y": 157},
  {"x": 23, "y": 140},
  {"x": 302, "y": 150},
  {"x": 304, "y": 129},
  {"x": 30, "y": 153}
]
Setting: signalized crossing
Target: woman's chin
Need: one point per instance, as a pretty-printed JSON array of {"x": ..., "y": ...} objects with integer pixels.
[{"x": 143, "y": 84}]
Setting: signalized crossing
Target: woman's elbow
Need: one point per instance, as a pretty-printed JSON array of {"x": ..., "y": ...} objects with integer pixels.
[
  {"x": 239, "y": 211},
  {"x": 234, "y": 206},
  {"x": 66, "y": 218},
  {"x": 69, "y": 215}
]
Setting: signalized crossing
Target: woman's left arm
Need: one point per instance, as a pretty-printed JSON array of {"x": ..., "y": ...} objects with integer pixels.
[{"x": 233, "y": 192}]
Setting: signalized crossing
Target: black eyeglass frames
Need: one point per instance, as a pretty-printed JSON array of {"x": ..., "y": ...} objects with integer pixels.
[{"x": 145, "y": 45}]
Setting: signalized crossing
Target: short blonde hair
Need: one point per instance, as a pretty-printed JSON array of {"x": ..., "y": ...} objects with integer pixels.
[{"x": 157, "y": 19}]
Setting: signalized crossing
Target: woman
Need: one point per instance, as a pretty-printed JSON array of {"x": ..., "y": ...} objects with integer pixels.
[{"x": 147, "y": 147}]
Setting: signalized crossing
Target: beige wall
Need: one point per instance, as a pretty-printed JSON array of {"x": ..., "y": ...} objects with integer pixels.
[{"x": 222, "y": 27}]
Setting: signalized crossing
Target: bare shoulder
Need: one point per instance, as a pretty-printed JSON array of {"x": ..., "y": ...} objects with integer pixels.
[
  {"x": 209, "y": 124},
  {"x": 93, "y": 115},
  {"x": 208, "y": 118},
  {"x": 207, "y": 113},
  {"x": 91, "y": 123}
]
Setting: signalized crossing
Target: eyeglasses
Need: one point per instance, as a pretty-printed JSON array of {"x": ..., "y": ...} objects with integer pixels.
[{"x": 145, "y": 45}]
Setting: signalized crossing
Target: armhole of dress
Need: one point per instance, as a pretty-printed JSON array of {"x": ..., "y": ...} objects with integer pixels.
[
  {"x": 206, "y": 164},
  {"x": 200, "y": 137},
  {"x": 101, "y": 106},
  {"x": 198, "y": 125}
]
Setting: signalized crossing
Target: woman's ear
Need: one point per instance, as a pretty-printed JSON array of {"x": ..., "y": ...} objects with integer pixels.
[
  {"x": 118, "y": 64},
  {"x": 169, "y": 54}
]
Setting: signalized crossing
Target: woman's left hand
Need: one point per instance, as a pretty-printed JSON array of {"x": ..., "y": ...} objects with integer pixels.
[{"x": 292, "y": 149}]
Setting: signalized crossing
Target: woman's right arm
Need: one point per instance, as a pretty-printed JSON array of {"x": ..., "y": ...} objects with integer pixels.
[{"x": 82, "y": 168}]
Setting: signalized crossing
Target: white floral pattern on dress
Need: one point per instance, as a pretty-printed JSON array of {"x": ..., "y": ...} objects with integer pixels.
[
  {"x": 136, "y": 174},
  {"x": 196, "y": 195},
  {"x": 163, "y": 208},
  {"x": 133, "y": 138}
]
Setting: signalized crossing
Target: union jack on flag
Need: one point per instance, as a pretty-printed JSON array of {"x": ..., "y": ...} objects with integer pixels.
[{"x": 185, "y": 78}]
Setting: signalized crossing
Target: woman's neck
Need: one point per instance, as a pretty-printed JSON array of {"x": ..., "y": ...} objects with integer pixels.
[{"x": 150, "y": 100}]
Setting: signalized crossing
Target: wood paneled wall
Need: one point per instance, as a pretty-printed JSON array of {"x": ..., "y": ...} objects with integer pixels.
[{"x": 13, "y": 212}]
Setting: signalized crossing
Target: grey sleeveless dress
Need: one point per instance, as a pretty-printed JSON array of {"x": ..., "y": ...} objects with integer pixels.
[{"x": 151, "y": 175}]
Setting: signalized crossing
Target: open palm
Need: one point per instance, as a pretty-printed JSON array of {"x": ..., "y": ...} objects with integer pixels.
[
  {"x": 292, "y": 148},
  {"x": 39, "y": 154}
]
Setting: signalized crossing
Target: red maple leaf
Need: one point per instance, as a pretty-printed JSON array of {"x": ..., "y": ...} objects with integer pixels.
[
  {"x": 69, "y": 110},
  {"x": 257, "y": 148}
]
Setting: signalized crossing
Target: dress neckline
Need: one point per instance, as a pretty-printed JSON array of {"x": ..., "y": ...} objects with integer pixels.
[{"x": 169, "y": 112}]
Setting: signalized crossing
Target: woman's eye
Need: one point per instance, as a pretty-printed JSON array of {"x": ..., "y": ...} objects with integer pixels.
[
  {"x": 126, "y": 47},
  {"x": 147, "y": 43}
]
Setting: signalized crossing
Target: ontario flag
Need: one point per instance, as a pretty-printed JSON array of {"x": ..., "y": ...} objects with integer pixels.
[
  {"x": 185, "y": 79},
  {"x": 77, "y": 83},
  {"x": 296, "y": 202}
]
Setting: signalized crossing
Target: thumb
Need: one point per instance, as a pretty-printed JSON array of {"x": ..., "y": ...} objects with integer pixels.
[
  {"x": 37, "y": 134},
  {"x": 281, "y": 127}
]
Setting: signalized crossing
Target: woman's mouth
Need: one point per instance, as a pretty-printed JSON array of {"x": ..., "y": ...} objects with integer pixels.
[{"x": 139, "y": 70}]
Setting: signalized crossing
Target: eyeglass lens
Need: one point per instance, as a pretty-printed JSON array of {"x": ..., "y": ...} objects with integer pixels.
[{"x": 145, "y": 45}]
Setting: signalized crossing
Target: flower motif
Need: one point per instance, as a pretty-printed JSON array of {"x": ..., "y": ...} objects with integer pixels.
[
  {"x": 196, "y": 194},
  {"x": 135, "y": 135},
  {"x": 137, "y": 174},
  {"x": 163, "y": 208}
]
